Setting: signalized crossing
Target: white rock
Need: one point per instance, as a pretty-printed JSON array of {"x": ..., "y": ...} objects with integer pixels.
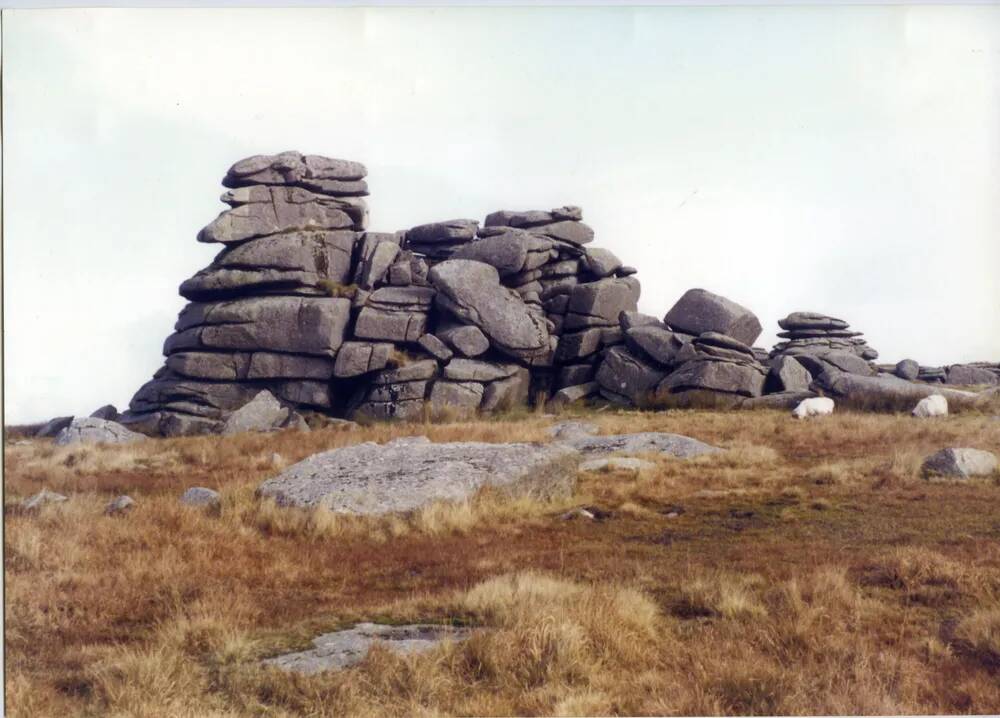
[
  {"x": 816, "y": 406},
  {"x": 960, "y": 463},
  {"x": 43, "y": 497},
  {"x": 933, "y": 405}
]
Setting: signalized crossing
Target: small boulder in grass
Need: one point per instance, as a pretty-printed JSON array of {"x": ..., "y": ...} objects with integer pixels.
[
  {"x": 617, "y": 463},
  {"x": 933, "y": 405},
  {"x": 960, "y": 463},
  {"x": 816, "y": 406},
  {"x": 119, "y": 505},
  {"x": 200, "y": 496},
  {"x": 42, "y": 498}
]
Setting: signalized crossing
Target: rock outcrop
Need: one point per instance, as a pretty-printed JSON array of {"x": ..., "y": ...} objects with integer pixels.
[{"x": 455, "y": 317}]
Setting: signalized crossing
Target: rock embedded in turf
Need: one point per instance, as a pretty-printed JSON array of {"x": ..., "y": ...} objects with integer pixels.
[
  {"x": 42, "y": 498},
  {"x": 119, "y": 505},
  {"x": 406, "y": 474},
  {"x": 572, "y": 430},
  {"x": 262, "y": 413},
  {"x": 651, "y": 442},
  {"x": 617, "y": 463},
  {"x": 960, "y": 463},
  {"x": 342, "y": 649},
  {"x": 200, "y": 496}
]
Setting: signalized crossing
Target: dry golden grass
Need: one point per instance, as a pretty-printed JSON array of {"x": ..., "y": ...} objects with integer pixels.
[{"x": 806, "y": 570}]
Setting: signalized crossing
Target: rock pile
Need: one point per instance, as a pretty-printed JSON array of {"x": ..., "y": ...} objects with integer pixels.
[{"x": 306, "y": 311}]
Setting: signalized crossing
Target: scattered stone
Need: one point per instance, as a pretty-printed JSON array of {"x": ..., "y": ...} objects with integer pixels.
[
  {"x": 96, "y": 431},
  {"x": 42, "y": 498},
  {"x": 572, "y": 430},
  {"x": 201, "y": 496},
  {"x": 963, "y": 463},
  {"x": 406, "y": 474},
  {"x": 817, "y": 406},
  {"x": 119, "y": 505},
  {"x": 681, "y": 447},
  {"x": 343, "y": 649},
  {"x": 933, "y": 405}
]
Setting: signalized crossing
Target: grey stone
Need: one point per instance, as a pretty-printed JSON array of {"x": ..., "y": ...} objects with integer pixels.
[
  {"x": 390, "y": 325},
  {"x": 788, "y": 375},
  {"x": 811, "y": 320},
  {"x": 907, "y": 369},
  {"x": 782, "y": 400},
  {"x": 532, "y": 218},
  {"x": 42, "y": 498},
  {"x": 462, "y": 396},
  {"x": 885, "y": 388},
  {"x": 625, "y": 375},
  {"x": 467, "y": 339},
  {"x": 207, "y": 400},
  {"x": 631, "y": 320},
  {"x": 572, "y": 231},
  {"x": 53, "y": 426},
  {"x": 471, "y": 291},
  {"x": 717, "y": 376},
  {"x": 961, "y": 463},
  {"x": 295, "y": 262},
  {"x": 301, "y": 325},
  {"x": 201, "y": 496},
  {"x": 573, "y": 374},
  {"x": 450, "y": 231},
  {"x": 699, "y": 311},
  {"x": 261, "y": 210},
  {"x": 378, "y": 253},
  {"x": 119, "y": 505},
  {"x": 435, "y": 347},
  {"x": 108, "y": 412},
  {"x": 290, "y": 168},
  {"x": 406, "y": 474},
  {"x": 568, "y": 395},
  {"x": 96, "y": 431},
  {"x": 651, "y": 442},
  {"x": 507, "y": 393},
  {"x": 601, "y": 262},
  {"x": 967, "y": 375},
  {"x": 239, "y": 366},
  {"x": 578, "y": 345},
  {"x": 848, "y": 362},
  {"x": 601, "y": 302},
  {"x": 343, "y": 649},
  {"x": 262, "y": 413},
  {"x": 510, "y": 253},
  {"x": 656, "y": 342},
  {"x": 471, "y": 370}
]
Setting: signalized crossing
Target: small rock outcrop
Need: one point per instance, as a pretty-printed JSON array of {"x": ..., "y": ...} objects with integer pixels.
[
  {"x": 960, "y": 463},
  {"x": 405, "y": 474},
  {"x": 812, "y": 333},
  {"x": 96, "y": 431},
  {"x": 342, "y": 649}
]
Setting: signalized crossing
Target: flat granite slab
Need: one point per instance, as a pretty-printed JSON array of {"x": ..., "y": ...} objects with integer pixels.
[{"x": 342, "y": 649}]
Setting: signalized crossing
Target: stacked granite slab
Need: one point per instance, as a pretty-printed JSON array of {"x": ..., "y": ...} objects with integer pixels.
[
  {"x": 263, "y": 314},
  {"x": 702, "y": 346}
]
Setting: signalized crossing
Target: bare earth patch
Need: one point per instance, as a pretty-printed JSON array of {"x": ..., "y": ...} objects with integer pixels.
[{"x": 805, "y": 569}]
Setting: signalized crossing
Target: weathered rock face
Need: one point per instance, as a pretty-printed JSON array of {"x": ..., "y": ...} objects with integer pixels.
[
  {"x": 408, "y": 473},
  {"x": 262, "y": 413},
  {"x": 968, "y": 375},
  {"x": 472, "y": 293}
]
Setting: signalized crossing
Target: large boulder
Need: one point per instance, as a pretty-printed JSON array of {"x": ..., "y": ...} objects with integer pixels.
[
  {"x": 290, "y": 263},
  {"x": 300, "y": 325},
  {"x": 471, "y": 291},
  {"x": 261, "y": 210},
  {"x": 321, "y": 174},
  {"x": 788, "y": 374},
  {"x": 885, "y": 390},
  {"x": 96, "y": 431},
  {"x": 626, "y": 378},
  {"x": 241, "y": 366},
  {"x": 716, "y": 375},
  {"x": 961, "y": 463},
  {"x": 52, "y": 427},
  {"x": 699, "y": 310},
  {"x": 406, "y": 474},
  {"x": 967, "y": 375},
  {"x": 907, "y": 369},
  {"x": 600, "y": 303},
  {"x": 509, "y": 253},
  {"x": 655, "y": 341},
  {"x": 262, "y": 413}
]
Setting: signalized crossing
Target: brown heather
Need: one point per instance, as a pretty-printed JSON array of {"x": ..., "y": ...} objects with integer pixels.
[{"x": 808, "y": 570}]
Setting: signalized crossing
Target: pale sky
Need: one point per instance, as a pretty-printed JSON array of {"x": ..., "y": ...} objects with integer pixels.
[{"x": 837, "y": 159}]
